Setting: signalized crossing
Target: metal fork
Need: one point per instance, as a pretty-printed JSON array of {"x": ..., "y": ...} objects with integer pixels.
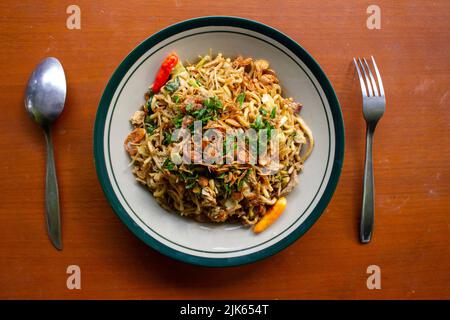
[{"x": 374, "y": 105}]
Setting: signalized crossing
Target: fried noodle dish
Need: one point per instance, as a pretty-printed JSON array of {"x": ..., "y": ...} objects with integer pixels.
[{"x": 231, "y": 96}]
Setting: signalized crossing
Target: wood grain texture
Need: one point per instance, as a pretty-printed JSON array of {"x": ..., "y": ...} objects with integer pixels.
[{"x": 412, "y": 147}]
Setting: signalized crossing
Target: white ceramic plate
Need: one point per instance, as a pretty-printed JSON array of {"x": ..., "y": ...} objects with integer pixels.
[{"x": 218, "y": 244}]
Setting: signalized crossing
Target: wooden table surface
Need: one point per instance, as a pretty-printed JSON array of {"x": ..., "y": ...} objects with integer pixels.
[{"x": 412, "y": 149}]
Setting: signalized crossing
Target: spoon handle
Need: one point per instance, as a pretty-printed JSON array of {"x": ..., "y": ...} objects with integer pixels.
[{"x": 52, "y": 215}]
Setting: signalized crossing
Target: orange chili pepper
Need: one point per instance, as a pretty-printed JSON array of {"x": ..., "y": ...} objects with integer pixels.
[
  {"x": 164, "y": 71},
  {"x": 271, "y": 215}
]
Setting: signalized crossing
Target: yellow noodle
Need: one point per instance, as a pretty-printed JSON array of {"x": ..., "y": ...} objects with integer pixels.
[{"x": 212, "y": 192}]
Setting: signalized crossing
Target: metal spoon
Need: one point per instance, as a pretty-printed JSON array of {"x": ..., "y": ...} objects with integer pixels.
[{"x": 44, "y": 100}]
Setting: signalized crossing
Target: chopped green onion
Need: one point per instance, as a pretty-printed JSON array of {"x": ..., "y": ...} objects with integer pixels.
[
  {"x": 228, "y": 188},
  {"x": 168, "y": 164},
  {"x": 147, "y": 119},
  {"x": 167, "y": 138},
  {"x": 178, "y": 121},
  {"x": 148, "y": 103},
  {"x": 212, "y": 103},
  {"x": 150, "y": 129},
  {"x": 193, "y": 82},
  {"x": 240, "y": 98},
  {"x": 257, "y": 124},
  {"x": 209, "y": 112},
  {"x": 191, "y": 185},
  {"x": 273, "y": 113},
  {"x": 173, "y": 85}
]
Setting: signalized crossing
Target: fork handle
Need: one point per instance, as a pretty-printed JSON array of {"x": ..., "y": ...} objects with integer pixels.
[{"x": 367, "y": 212}]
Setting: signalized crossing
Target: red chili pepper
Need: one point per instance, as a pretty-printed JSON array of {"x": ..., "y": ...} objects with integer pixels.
[{"x": 164, "y": 71}]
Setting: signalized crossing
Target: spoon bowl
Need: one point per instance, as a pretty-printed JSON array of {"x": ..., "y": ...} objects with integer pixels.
[{"x": 46, "y": 91}]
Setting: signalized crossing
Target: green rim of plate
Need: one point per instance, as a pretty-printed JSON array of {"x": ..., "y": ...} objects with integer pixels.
[{"x": 142, "y": 48}]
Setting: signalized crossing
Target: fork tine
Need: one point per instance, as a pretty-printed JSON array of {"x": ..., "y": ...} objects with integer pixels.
[
  {"x": 380, "y": 83},
  {"x": 374, "y": 85},
  {"x": 361, "y": 80},
  {"x": 369, "y": 86}
]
